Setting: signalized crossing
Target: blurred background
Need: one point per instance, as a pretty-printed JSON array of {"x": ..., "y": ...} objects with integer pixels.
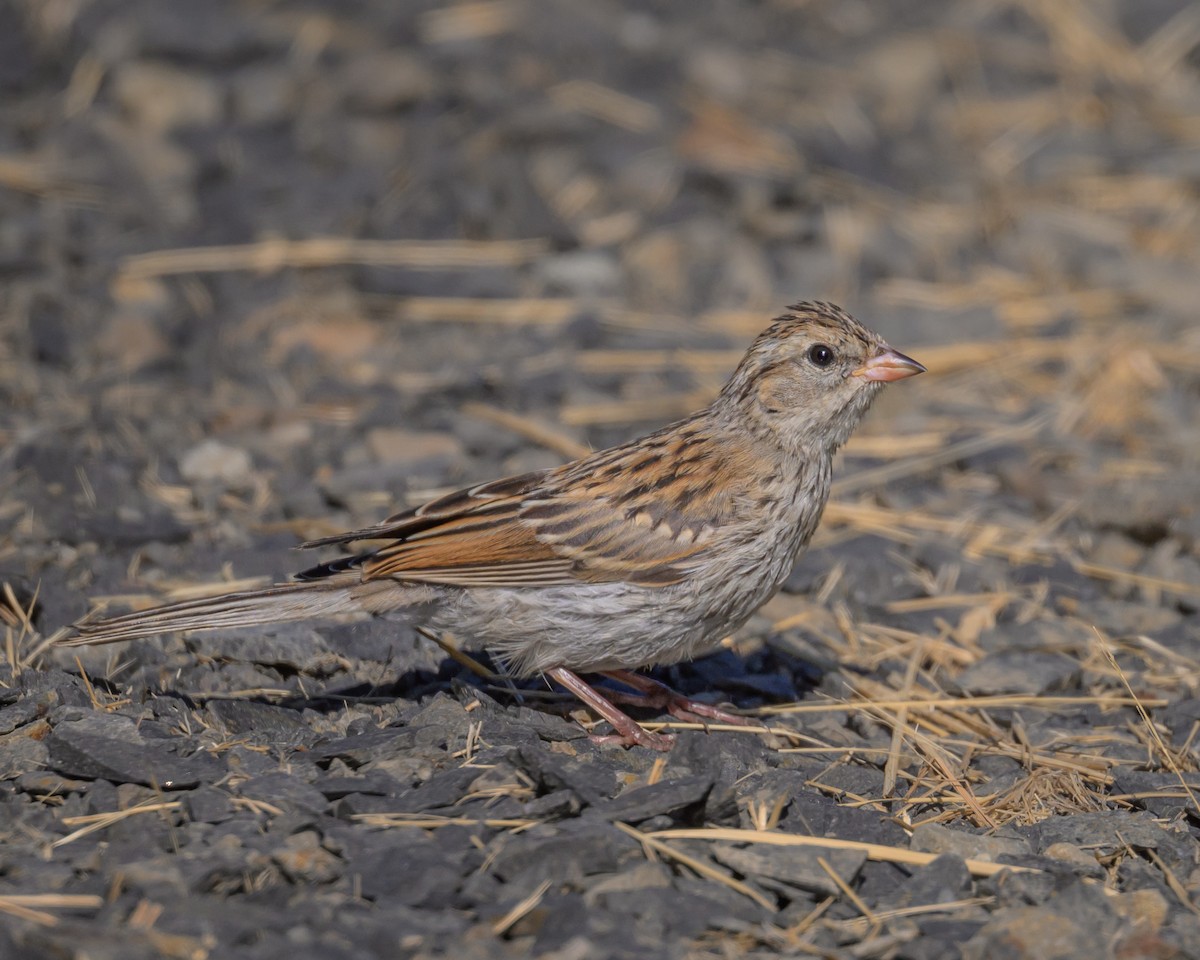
[{"x": 271, "y": 268}]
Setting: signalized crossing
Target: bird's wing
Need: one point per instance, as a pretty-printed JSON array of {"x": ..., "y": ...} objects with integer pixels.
[
  {"x": 471, "y": 537},
  {"x": 640, "y": 514},
  {"x": 645, "y": 513},
  {"x": 477, "y": 499}
]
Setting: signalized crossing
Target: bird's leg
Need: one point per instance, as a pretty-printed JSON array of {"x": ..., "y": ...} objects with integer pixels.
[
  {"x": 651, "y": 693},
  {"x": 629, "y": 732}
]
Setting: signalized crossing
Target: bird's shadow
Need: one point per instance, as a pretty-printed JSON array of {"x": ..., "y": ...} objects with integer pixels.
[{"x": 765, "y": 677}]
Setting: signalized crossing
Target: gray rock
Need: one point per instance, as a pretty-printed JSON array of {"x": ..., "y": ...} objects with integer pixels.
[
  {"x": 946, "y": 880},
  {"x": 286, "y": 790},
  {"x": 262, "y": 723},
  {"x": 794, "y": 866},
  {"x": 207, "y": 805},
  {"x": 681, "y": 799},
  {"x": 78, "y": 753},
  {"x": 1020, "y": 671},
  {"x": 936, "y": 838}
]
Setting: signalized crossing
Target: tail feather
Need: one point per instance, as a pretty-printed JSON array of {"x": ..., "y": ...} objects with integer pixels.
[{"x": 274, "y": 604}]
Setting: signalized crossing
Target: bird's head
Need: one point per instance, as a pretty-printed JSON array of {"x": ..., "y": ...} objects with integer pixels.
[{"x": 810, "y": 376}]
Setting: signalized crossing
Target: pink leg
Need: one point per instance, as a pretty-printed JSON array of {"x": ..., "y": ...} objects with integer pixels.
[
  {"x": 628, "y": 732},
  {"x": 655, "y": 694}
]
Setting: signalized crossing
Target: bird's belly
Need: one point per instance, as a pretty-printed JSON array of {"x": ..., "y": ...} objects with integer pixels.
[
  {"x": 610, "y": 626},
  {"x": 583, "y": 627}
]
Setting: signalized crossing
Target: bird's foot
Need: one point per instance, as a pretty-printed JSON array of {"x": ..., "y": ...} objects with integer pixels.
[
  {"x": 639, "y": 736},
  {"x": 657, "y": 695}
]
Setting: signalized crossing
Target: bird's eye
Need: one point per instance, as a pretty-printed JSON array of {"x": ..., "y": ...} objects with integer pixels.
[{"x": 820, "y": 355}]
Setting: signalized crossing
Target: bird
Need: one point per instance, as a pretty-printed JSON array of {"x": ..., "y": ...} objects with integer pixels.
[{"x": 647, "y": 553}]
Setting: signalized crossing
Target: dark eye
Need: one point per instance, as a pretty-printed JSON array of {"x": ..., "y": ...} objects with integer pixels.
[{"x": 820, "y": 355}]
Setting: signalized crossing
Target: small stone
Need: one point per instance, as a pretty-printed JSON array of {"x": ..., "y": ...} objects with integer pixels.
[
  {"x": 1019, "y": 671},
  {"x": 408, "y": 869},
  {"x": 1103, "y": 831},
  {"x": 162, "y": 98},
  {"x": 153, "y": 877},
  {"x": 284, "y": 790},
  {"x": 20, "y": 751},
  {"x": 285, "y": 437},
  {"x": 77, "y": 751},
  {"x": 571, "y": 849},
  {"x": 385, "y": 80},
  {"x": 133, "y": 340},
  {"x": 1165, "y": 795},
  {"x": 935, "y": 838},
  {"x": 592, "y": 783},
  {"x": 644, "y": 876},
  {"x": 263, "y": 723},
  {"x": 1074, "y": 921},
  {"x": 207, "y": 805},
  {"x": 304, "y": 859},
  {"x": 1146, "y": 907},
  {"x": 672, "y": 798},
  {"x": 796, "y": 866},
  {"x": 374, "y": 746},
  {"x": 44, "y": 783},
  {"x": 580, "y": 273},
  {"x": 211, "y": 461},
  {"x": 292, "y": 647},
  {"x": 446, "y": 788},
  {"x": 263, "y": 94},
  {"x": 945, "y": 880},
  {"x": 1083, "y": 862}
]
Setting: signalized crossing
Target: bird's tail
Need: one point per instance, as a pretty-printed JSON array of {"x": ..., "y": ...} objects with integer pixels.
[{"x": 280, "y": 602}]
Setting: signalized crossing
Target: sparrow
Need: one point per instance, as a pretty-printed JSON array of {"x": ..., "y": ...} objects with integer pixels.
[{"x": 646, "y": 553}]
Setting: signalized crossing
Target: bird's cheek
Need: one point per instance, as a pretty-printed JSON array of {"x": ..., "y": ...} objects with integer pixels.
[{"x": 775, "y": 394}]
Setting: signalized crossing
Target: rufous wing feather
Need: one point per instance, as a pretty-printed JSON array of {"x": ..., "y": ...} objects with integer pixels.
[{"x": 554, "y": 528}]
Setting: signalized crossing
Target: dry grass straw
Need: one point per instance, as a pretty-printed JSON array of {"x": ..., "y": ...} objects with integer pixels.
[
  {"x": 532, "y": 430},
  {"x": 1168, "y": 757},
  {"x": 35, "y": 907},
  {"x": 652, "y": 842},
  {"x": 485, "y": 311},
  {"x": 521, "y": 909},
  {"x": 459, "y": 657},
  {"x": 268, "y": 256},
  {"x": 944, "y": 703},
  {"x": 99, "y": 704},
  {"x": 604, "y": 103},
  {"x": 874, "y": 851},
  {"x": 1047, "y": 792},
  {"x": 1173, "y": 882},
  {"x": 858, "y": 925},
  {"x": 934, "y": 738},
  {"x": 92, "y": 822},
  {"x": 420, "y": 821},
  {"x": 23, "y": 645},
  {"x": 469, "y": 21},
  {"x": 892, "y": 765},
  {"x": 848, "y": 892},
  {"x": 37, "y": 176}
]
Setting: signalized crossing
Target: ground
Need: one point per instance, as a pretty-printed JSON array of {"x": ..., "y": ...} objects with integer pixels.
[{"x": 275, "y": 269}]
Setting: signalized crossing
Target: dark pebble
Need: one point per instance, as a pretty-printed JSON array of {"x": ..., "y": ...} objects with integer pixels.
[{"x": 77, "y": 752}]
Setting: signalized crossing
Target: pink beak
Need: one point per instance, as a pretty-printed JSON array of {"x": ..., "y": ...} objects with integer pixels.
[{"x": 888, "y": 365}]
